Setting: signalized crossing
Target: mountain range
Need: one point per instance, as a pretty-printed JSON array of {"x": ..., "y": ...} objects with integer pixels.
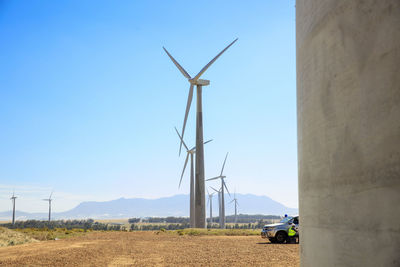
[{"x": 177, "y": 205}]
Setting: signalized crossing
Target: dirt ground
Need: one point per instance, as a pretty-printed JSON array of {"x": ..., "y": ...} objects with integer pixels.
[{"x": 151, "y": 249}]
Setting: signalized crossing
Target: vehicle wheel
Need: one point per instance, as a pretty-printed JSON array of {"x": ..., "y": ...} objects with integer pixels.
[
  {"x": 280, "y": 237},
  {"x": 272, "y": 240}
]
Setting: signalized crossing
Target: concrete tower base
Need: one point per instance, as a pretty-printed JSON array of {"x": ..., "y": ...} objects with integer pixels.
[{"x": 348, "y": 93}]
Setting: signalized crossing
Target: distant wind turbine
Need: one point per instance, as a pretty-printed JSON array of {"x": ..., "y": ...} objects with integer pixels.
[
  {"x": 190, "y": 152},
  {"x": 223, "y": 185},
  {"x": 219, "y": 205},
  {"x": 13, "y": 203},
  {"x": 200, "y": 203},
  {"x": 209, "y": 200},
  {"x": 49, "y": 200},
  {"x": 236, "y": 205}
]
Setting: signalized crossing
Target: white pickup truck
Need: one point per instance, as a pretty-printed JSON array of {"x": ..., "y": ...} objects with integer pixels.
[{"x": 278, "y": 232}]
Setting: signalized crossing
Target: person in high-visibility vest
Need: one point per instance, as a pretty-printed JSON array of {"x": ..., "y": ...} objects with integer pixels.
[{"x": 292, "y": 234}]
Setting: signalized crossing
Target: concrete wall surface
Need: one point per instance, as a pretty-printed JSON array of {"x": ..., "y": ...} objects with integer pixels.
[{"x": 348, "y": 97}]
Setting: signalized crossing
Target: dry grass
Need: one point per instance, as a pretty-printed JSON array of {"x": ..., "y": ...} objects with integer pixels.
[
  {"x": 10, "y": 238},
  {"x": 119, "y": 221},
  {"x": 214, "y": 232},
  {"x": 122, "y": 222},
  {"x": 51, "y": 234}
]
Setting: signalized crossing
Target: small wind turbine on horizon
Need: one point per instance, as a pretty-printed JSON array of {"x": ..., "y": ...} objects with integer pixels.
[
  {"x": 49, "y": 200},
  {"x": 236, "y": 205},
  {"x": 200, "y": 203},
  {"x": 190, "y": 152},
  {"x": 219, "y": 205},
  {"x": 13, "y": 204},
  {"x": 209, "y": 201},
  {"x": 223, "y": 185}
]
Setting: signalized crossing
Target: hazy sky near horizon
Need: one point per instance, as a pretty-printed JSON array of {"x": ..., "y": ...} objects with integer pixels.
[{"x": 89, "y": 99}]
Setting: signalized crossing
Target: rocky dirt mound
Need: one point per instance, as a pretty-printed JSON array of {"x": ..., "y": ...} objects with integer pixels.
[{"x": 10, "y": 238}]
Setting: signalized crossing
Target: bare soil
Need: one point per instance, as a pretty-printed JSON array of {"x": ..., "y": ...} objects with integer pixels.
[{"x": 151, "y": 249}]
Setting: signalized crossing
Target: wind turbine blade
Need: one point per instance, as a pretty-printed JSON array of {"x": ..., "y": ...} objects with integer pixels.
[
  {"x": 214, "y": 178},
  {"x": 214, "y": 189},
  {"x": 51, "y": 194},
  {"x": 184, "y": 167},
  {"x": 231, "y": 201},
  {"x": 212, "y": 61},
  {"x": 181, "y": 69},
  {"x": 194, "y": 148},
  {"x": 226, "y": 187},
  {"x": 223, "y": 165},
  {"x": 180, "y": 137},
  {"x": 207, "y": 142},
  {"x": 189, "y": 102}
]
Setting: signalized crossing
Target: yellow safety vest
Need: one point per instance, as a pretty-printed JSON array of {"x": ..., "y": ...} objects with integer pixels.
[{"x": 292, "y": 232}]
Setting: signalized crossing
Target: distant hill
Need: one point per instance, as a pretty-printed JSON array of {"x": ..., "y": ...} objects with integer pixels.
[{"x": 177, "y": 205}]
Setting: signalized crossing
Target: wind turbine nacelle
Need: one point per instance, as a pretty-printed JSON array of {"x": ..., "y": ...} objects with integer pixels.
[{"x": 201, "y": 82}]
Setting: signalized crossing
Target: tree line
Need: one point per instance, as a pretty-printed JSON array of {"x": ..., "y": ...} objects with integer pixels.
[
  {"x": 241, "y": 218},
  {"x": 88, "y": 224},
  {"x": 147, "y": 224}
]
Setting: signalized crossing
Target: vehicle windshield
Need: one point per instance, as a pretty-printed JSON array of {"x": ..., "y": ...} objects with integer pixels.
[{"x": 286, "y": 219}]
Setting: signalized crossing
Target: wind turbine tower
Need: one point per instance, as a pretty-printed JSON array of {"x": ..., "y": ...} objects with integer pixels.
[
  {"x": 13, "y": 203},
  {"x": 219, "y": 205},
  {"x": 49, "y": 200},
  {"x": 190, "y": 152},
  {"x": 223, "y": 185},
  {"x": 200, "y": 203},
  {"x": 210, "y": 197},
  {"x": 236, "y": 205}
]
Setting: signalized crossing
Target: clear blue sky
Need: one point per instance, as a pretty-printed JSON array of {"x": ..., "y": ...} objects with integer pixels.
[{"x": 89, "y": 99}]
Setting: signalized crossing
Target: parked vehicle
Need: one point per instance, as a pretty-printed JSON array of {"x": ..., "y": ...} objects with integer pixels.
[{"x": 278, "y": 232}]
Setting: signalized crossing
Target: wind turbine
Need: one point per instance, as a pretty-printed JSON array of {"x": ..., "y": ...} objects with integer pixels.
[
  {"x": 210, "y": 196},
  {"x": 219, "y": 205},
  {"x": 13, "y": 203},
  {"x": 49, "y": 200},
  {"x": 200, "y": 204},
  {"x": 190, "y": 152},
  {"x": 236, "y": 205},
  {"x": 223, "y": 185}
]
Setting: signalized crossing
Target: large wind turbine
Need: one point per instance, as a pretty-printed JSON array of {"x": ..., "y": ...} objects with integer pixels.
[
  {"x": 190, "y": 152},
  {"x": 13, "y": 203},
  {"x": 236, "y": 205},
  {"x": 223, "y": 185},
  {"x": 49, "y": 200},
  {"x": 200, "y": 204},
  {"x": 210, "y": 197}
]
